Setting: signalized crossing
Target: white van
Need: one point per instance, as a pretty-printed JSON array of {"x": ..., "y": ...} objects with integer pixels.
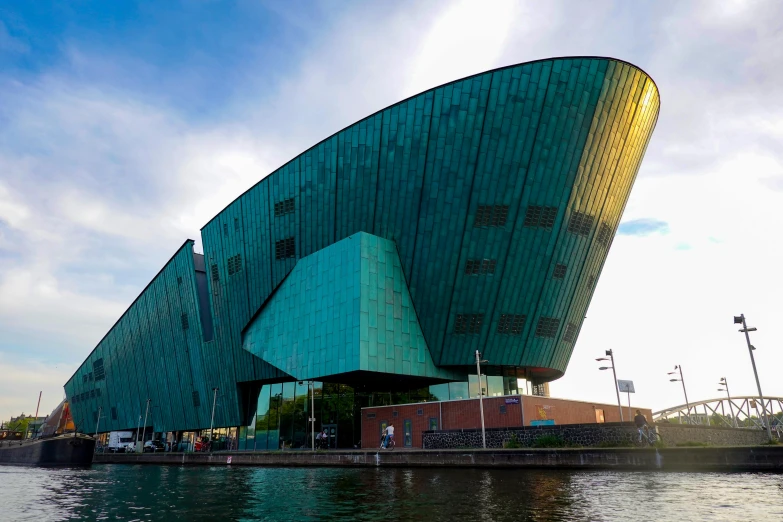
[{"x": 121, "y": 441}]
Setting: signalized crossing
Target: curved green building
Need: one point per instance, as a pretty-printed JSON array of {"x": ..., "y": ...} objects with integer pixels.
[{"x": 474, "y": 216}]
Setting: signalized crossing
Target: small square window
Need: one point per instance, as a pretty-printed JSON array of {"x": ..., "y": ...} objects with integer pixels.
[
  {"x": 502, "y": 408},
  {"x": 560, "y": 271},
  {"x": 570, "y": 333},
  {"x": 580, "y": 223},
  {"x": 547, "y": 327}
]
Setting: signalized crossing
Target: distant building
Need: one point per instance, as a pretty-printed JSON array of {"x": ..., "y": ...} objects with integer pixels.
[{"x": 474, "y": 216}]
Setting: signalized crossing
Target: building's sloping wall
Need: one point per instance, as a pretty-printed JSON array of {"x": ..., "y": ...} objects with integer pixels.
[
  {"x": 156, "y": 351},
  {"x": 345, "y": 308}
]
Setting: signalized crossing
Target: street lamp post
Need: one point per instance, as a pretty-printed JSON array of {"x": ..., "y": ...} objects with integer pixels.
[
  {"x": 610, "y": 357},
  {"x": 144, "y": 428},
  {"x": 212, "y": 422},
  {"x": 311, "y": 417},
  {"x": 723, "y": 382},
  {"x": 678, "y": 369},
  {"x": 740, "y": 319},
  {"x": 481, "y": 398},
  {"x": 98, "y": 421}
]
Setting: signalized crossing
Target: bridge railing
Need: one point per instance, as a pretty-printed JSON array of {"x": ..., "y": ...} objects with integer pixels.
[{"x": 739, "y": 412}]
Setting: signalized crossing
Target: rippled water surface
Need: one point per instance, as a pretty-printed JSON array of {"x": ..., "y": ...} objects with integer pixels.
[{"x": 124, "y": 492}]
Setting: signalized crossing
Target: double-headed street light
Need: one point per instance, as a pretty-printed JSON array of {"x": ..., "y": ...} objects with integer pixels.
[
  {"x": 610, "y": 357},
  {"x": 678, "y": 371},
  {"x": 723, "y": 382},
  {"x": 479, "y": 360},
  {"x": 740, "y": 319}
]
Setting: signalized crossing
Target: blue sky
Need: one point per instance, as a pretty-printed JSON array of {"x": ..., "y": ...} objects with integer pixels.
[{"x": 125, "y": 126}]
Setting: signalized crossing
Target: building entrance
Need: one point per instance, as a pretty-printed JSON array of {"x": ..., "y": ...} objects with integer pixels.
[{"x": 331, "y": 434}]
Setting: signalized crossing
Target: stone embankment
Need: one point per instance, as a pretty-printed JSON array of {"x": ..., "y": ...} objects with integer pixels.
[{"x": 749, "y": 458}]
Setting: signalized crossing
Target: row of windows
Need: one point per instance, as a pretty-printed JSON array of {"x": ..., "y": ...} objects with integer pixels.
[
  {"x": 491, "y": 216},
  {"x": 542, "y": 217},
  {"x": 97, "y": 368},
  {"x": 513, "y": 324},
  {"x": 87, "y": 377},
  {"x": 285, "y": 248},
  {"x": 604, "y": 234},
  {"x": 284, "y": 207},
  {"x": 234, "y": 264},
  {"x": 81, "y": 397},
  {"x": 480, "y": 266},
  {"x": 580, "y": 223}
]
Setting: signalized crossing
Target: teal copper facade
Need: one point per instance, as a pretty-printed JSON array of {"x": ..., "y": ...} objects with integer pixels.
[{"x": 500, "y": 194}]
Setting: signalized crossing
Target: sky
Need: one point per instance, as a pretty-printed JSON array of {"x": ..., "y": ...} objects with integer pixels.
[{"x": 126, "y": 126}]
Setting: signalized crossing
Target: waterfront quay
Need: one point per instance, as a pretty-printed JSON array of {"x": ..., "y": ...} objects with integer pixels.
[{"x": 746, "y": 458}]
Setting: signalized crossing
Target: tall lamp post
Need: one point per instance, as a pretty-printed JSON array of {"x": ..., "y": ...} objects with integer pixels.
[
  {"x": 723, "y": 382},
  {"x": 481, "y": 397},
  {"x": 610, "y": 357},
  {"x": 678, "y": 371},
  {"x": 311, "y": 417},
  {"x": 144, "y": 428},
  {"x": 740, "y": 319},
  {"x": 212, "y": 422}
]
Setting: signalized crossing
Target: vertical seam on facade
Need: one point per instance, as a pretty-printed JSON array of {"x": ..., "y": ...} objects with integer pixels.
[
  {"x": 421, "y": 198},
  {"x": 524, "y": 339},
  {"x": 465, "y": 225}
]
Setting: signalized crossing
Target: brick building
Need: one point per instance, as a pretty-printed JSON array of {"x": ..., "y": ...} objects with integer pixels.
[{"x": 410, "y": 420}]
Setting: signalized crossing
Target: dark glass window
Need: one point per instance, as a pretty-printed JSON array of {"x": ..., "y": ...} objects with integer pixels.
[
  {"x": 215, "y": 273},
  {"x": 540, "y": 216},
  {"x": 560, "y": 271},
  {"x": 547, "y": 327},
  {"x": 590, "y": 281},
  {"x": 433, "y": 424},
  {"x": 502, "y": 408},
  {"x": 480, "y": 266},
  {"x": 236, "y": 224},
  {"x": 225, "y": 229},
  {"x": 468, "y": 323},
  {"x": 580, "y": 223},
  {"x": 185, "y": 324},
  {"x": 284, "y": 207},
  {"x": 285, "y": 248},
  {"x": 408, "y": 429},
  {"x": 113, "y": 413},
  {"x": 234, "y": 264},
  {"x": 97, "y": 367},
  {"x": 196, "y": 399},
  {"x": 511, "y": 324},
  {"x": 604, "y": 234},
  {"x": 491, "y": 216},
  {"x": 570, "y": 333}
]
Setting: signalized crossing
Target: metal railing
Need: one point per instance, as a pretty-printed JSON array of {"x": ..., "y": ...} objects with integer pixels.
[{"x": 738, "y": 412}]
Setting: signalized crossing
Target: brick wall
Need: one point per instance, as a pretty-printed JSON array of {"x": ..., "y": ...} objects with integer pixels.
[{"x": 465, "y": 414}]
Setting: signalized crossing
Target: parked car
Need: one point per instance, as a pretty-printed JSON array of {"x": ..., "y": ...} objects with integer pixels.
[{"x": 153, "y": 446}]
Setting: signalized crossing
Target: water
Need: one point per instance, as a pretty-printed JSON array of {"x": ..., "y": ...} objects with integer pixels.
[{"x": 125, "y": 492}]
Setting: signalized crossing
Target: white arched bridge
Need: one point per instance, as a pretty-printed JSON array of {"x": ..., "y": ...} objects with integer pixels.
[{"x": 737, "y": 412}]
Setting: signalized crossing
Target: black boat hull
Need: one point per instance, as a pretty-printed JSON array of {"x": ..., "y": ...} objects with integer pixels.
[{"x": 63, "y": 450}]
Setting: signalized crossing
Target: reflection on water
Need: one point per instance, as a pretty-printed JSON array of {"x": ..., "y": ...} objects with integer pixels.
[{"x": 120, "y": 492}]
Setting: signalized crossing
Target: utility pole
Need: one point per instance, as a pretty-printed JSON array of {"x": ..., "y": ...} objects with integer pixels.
[
  {"x": 682, "y": 380},
  {"x": 724, "y": 382},
  {"x": 144, "y": 429},
  {"x": 740, "y": 319},
  {"x": 212, "y": 423},
  {"x": 481, "y": 399},
  {"x": 610, "y": 354},
  {"x": 35, "y": 419}
]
